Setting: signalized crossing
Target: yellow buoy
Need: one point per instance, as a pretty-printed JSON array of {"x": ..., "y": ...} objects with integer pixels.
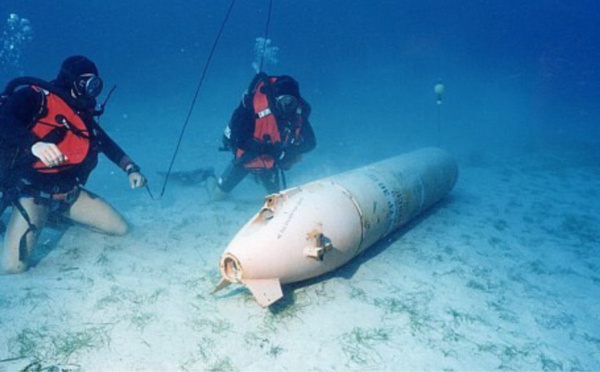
[{"x": 439, "y": 91}]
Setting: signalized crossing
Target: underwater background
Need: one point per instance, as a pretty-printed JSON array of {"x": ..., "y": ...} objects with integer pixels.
[
  {"x": 515, "y": 74},
  {"x": 503, "y": 275}
]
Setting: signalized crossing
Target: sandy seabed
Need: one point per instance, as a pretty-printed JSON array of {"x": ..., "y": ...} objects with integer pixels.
[{"x": 504, "y": 274}]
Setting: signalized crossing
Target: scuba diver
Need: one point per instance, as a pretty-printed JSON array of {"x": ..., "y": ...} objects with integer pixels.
[
  {"x": 267, "y": 134},
  {"x": 50, "y": 143}
]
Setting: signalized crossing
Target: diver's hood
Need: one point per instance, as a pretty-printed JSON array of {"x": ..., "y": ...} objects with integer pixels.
[
  {"x": 70, "y": 71},
  {"x": 286, "y": 85},
  {"x": 73, "y": 67}
]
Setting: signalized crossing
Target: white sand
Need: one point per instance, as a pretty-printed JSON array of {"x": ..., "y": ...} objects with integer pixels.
[{"x": 504, "y": 275}]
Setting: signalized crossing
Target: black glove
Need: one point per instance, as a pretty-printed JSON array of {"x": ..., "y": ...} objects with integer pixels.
[
  {"x": 277, "y": 152},
  {"x": 287, "y": 158}
]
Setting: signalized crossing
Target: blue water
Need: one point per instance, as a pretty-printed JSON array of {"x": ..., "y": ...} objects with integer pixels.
[
  {"x": 521, "y": 81},
  {"x": 513, "y": 72}
]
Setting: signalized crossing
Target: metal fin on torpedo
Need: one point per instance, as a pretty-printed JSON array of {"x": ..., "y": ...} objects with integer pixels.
[{"x": 265, "y": 291}]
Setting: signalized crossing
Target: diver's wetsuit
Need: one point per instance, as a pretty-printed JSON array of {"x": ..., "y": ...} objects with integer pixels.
[
  {"x": 17, "y": 116},
  {"x": 242, "y": 126}
]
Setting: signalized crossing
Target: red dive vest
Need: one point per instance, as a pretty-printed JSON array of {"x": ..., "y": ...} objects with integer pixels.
[
  {"x": 62, "y": 126},
  {"x": 266, "y": 127}
]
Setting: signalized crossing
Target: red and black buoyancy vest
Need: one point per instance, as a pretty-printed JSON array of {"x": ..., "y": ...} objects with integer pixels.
[
  {"x": 266, "y": 128},
  {"x": 61, "y": 125}
]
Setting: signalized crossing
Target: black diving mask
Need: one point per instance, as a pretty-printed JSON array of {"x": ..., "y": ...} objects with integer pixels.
[
  {"x": 89, "y": 85},
  {"x": 286, "y": 104}
]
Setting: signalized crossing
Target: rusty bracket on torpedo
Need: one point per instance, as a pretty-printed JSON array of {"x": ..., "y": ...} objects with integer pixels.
[{"x": 322, "y": 245}]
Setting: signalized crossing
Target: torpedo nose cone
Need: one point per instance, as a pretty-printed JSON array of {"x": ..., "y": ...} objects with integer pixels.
[{"x": 231, "y": 268}]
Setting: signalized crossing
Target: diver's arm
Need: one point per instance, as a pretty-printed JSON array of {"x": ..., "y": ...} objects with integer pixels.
[
  {"x": 242, "y": 131},
  {"x": 17, "y": 115},
  {"x": 308, "y": 140},
  {"x": 112, "y": 151},
  {"x": 242, "y": 123},
  {"x": 110, "y": 148},
  {"x": 249, "y": 93}
]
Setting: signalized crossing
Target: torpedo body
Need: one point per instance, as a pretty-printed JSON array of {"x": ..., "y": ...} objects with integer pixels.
[{"x": 306, "y": 231}]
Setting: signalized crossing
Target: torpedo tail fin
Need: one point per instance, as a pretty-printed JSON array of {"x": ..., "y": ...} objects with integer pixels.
[{"x": 265, "y": 291}]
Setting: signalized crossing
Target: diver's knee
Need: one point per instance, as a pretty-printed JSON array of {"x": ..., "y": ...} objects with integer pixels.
[
  {"x": 120, "y": 229},
  {"x": 215, "y": 192},
  {"x": 115, "y": 225},
  {"x": 14, "y": 267}
]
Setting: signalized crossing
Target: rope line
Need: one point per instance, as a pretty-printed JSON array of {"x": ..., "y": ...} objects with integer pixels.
[{"x": 196, "y": 94}]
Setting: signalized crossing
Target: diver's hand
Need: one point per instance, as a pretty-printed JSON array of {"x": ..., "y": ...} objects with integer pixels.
[
  {"x": 48, "y": 153},
  {"x": 278, "y": 152},
  {"x": 136, "y": 180}
]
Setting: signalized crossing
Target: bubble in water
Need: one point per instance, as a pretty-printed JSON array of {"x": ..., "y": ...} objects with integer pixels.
[
  {"x": 265, "y": 50},
  {"x": 17, "y": 33}
]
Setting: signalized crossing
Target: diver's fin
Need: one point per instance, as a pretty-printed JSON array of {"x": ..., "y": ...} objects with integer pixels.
[
  {"x": 191, "y": 177},
  {"x": 265, "y": 291}
]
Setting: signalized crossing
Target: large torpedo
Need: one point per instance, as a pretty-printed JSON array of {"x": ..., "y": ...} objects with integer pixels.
[{"x": 306, "y": 231}]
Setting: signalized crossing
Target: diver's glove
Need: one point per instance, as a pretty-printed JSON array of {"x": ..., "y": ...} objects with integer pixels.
[
  {"x": 277, "y": 151},
  {"x": 136, "y": 178},
  {"x": 285, "y": 156}
]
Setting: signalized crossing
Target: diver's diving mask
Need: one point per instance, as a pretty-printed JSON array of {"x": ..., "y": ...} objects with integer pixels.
[
  {"x": 286, "y": 104},
  {"x": 89, "y": 85}
]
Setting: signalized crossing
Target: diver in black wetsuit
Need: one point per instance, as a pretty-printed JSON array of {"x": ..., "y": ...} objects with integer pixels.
[
  {"x": 268, "y": 133},
  {"x": 53, "y": 140}
]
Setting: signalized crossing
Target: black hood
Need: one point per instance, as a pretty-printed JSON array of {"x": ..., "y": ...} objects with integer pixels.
[
  {"x": 74, "y": 67},
  {"x": 70, "y": 70},
  {"x": 286, "y": 85}
]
